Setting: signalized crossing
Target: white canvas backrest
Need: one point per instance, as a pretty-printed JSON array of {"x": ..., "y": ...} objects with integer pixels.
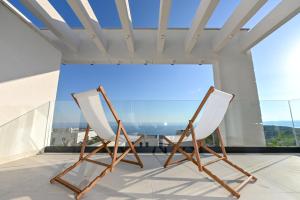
[
  {"x": 92, "y": 110},
  {"x": 212, "y": 113}
]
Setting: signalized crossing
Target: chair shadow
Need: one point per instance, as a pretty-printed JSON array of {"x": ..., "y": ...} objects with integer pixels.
[{"x": 125, "y": 182}]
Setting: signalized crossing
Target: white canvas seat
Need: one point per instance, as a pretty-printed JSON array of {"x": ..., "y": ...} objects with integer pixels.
[
  {"x": 91, "y": 107},
  {"x": 93, "y": 112},
  {"x": 210, "y": 112},
  {"x": 210, "y": 116}
]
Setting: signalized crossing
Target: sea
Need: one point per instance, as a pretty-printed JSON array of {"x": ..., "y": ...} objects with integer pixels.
[{"x": 163, "y": 129}]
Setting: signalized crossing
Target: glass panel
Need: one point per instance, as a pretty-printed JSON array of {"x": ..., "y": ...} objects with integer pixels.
[
  {"x": 68, "y": 124},
  {"x": 182, "y": 13},
  {"x": 222, "y": 12},
  {"x": 156, "y": 118},
  {"x": 153, "y": 119},
  {"x": 18, "y": 5},
  {"x": 26, "y": 133},
  {"x": 278, "y": 124},
  {"x": 67, "y": 13},
  {"x": 106, "y": 12},
  {"x": 144, "y": 14}
]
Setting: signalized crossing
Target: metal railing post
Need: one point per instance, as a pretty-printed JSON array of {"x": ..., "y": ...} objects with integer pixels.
[{"x": 294, "y": 132}]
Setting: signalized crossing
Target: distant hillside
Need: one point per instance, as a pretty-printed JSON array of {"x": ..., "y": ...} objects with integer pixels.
[
  {"x": 280, "y": 135},
  {"x": 283, "y": 123}
]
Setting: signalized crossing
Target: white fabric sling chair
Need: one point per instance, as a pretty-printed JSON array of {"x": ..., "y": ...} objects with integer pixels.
[
  {"x": 90, "y": 104},
  {"x": 213, "y": 108}
]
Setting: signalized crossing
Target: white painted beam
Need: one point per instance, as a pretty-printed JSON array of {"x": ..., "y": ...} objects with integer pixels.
[
  {"x": 125, "y": 18},
  {"x": 283, "y": 12},
  {"x": 244, "y": 11},
  {"x": 19, "y": 14},
  {"x": 164, "y": 12},
  {"x": 87, "y": 17},
  {"x": 203, "y": 13},
  {"x": 52, "y": 19}
]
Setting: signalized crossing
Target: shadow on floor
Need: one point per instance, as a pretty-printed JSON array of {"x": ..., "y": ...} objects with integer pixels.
[{"x": 29, "y": 180}]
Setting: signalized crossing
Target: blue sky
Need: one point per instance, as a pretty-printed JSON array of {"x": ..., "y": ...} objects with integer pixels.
[
  {"x": 276, "y": 59},
  {"x": 137, "y": 82}
]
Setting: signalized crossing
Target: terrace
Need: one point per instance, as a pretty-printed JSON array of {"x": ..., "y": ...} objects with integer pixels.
[
  {"x": 278, "y": 178},
  {"x": 44, "y": 41}
]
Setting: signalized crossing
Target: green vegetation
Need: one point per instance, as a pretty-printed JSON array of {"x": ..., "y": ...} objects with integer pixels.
[
  {"x": 282, "y": 139},
  {"x": 280, "y": 136},
  {"x": 93, "y": 140}
]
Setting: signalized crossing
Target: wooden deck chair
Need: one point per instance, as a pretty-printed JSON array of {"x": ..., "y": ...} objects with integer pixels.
[
  {"x": 92, "y": 110},
  {"x": 213, "y": 108}
]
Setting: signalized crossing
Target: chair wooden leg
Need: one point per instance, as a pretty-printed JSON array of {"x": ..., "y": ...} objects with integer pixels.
[
  {"x": 79, "y": 193},
  {"x": 221, "y": 182},
  {"x": 92, "y": 183},
  {"x": 226, "y": 159},
  {"x": 196, "y": 149},
  {"x": 175, "y": 148},
  {"x": 65, "y": 171},
  {"x": 221, "y": 142},
  {"x": 115, "y": 153},
  {"x": 86, "y": 135},
  {"x": 131, "y": 146},
  {"x": 121, "y": 157},
  {"x": 77, "y": 163},
  {"x": 187, "y": 155},
  {"x": 107, "y": 149},
  {"x": 202, "y": 167}
]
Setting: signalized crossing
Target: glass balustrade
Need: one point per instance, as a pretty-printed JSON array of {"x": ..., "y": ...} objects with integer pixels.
[
  {"x": 25, "y": 134},
  {"x": 157, "y": 118}
]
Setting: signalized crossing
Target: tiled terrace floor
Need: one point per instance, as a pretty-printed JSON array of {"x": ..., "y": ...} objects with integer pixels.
[{"x": 28, "y": 179}]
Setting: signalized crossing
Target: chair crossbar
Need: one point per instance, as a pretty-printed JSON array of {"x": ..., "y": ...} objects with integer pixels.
[
  {"x": 97, "y": 162},
  {"x": 108, "y": 167},
  {"x": 213, "y": 161},
  {"x": 189, "y": 157},
  {"x": 198, "y": 144}
]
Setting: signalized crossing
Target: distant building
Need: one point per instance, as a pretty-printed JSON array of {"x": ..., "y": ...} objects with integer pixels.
[{"x": 64, "y": 137}]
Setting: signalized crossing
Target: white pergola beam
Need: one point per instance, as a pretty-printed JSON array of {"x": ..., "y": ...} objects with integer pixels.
[
  {"x": 87, "y": 17},
  {"x": 203, "y": 14},
  {"x": 285, "y": 10},
  {"x": 125, "y": 18},
  {"x": 53, "y": 20},
  {"x": 164, "y": 12},
  {"x": 244, "y": 11},
  {"x": 19, "y": 14}
]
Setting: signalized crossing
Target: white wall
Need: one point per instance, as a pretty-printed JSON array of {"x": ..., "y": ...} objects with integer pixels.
[{"x": 29, "y": 70}]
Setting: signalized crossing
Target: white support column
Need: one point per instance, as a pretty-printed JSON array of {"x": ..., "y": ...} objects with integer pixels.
[
  {"x": 87, "y": 17},
  {"x": 245, "y": 10},
  {"x": 53, "y": 20},
  {"x": 125, "y": 18},
  {"x": 203, "y": 13},
  {"x": 164, "y": 12},
  {"x": 234, "y": 73},
  {"x": 282, "y": 13}
]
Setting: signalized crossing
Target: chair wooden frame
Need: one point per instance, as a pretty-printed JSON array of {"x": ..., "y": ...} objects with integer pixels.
[
  {"x": 115, "y": 158},
  {"x": 197, "y": 144}
]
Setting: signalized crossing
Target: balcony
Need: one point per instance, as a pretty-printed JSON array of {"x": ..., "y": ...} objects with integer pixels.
[{"x": 44, "y": 44}]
